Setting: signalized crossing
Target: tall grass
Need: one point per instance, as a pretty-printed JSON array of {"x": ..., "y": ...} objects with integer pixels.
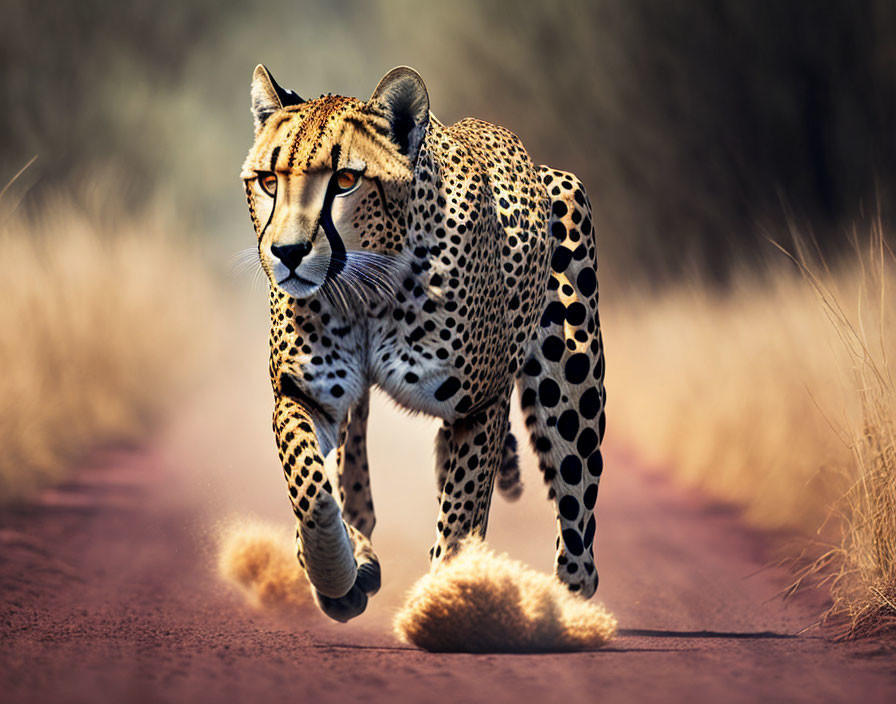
[
  {"x": 862, "y": 568},
  {"x": 778, "y": 396},
  {"x": 100, "y": 324}
]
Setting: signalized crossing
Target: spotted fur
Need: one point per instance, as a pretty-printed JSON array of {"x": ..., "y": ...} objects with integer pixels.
[{"x": 455, "y": 270}]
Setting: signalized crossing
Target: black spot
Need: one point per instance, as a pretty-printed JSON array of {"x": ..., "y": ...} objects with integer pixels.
[
  {"x": 569, "y": 508},
  {"x": 532, "y": 367},
  {"x": 599, "y": 368},
  {"x": 591, "y": 492},
  {"x": 560, "y": 260},
  {"x": 577, "y": 368},
  {"x": 586, "y": 281},
  {"x": 448, "y": 388},
  {"x": 464, "y": 404},
  {"x": 571, "y": 469},
  {"x": 596, "y": 466},
  {"x": 589, "y": 404},
  {"x": 558, "y": 230},
  {"x": 337, "y": 390},
  {"x": 548, "y": 393},
  {"x": 589, "y": 532},
  {"x": 552, "y": 348},
  {"x": 559, "y": 209},
  {"x": 553, "y": 314},
  {"x": 568, "y": 425},
  {"x": 575, "y": 313},
  {"x": 573, "y": 541},
  {"x": 587, "y": 442}
]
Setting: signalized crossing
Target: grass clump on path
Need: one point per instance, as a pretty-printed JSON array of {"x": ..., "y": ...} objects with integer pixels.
[
  {"x": 258, "y": 559},
  {"x": 481, "y": 602}
]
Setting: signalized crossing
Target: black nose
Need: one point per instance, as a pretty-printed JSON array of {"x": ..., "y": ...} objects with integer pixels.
[{"x": 291, "y": 254}]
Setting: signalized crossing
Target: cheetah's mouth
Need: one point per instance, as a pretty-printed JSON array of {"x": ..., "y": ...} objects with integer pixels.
[{"x": 292, "y": 276}]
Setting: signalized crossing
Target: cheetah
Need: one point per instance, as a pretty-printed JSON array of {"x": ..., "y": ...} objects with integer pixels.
[{"x": 439, "y": 264}]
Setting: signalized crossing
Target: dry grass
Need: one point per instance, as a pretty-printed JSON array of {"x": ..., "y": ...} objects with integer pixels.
[
  {"x": 480, "y": 602},
  {"x": 862, "y": 568},
  {"x": 778, "y": 396},
  {"x": 97, "y": 332},
  {"x": 259, "y": 559},
  {"x": 736, "y": 394}
]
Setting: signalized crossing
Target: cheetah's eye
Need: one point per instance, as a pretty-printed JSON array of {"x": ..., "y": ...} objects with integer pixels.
[
  {"x": 268, "y": 183},
  {"x": 346, "y": 180}
]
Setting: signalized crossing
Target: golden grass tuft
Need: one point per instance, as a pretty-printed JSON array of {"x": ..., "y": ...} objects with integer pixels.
[
  {"x": 778, "y": 396},
  {"x": 862, "y": 568},
  {"x": 480, "y": 602},
  {"x": 259, "y": 559},
  {"x": 99, "y": 328}
]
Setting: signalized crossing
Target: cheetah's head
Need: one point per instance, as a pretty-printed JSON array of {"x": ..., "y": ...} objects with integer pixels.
[{"x": 328, "y": 181}]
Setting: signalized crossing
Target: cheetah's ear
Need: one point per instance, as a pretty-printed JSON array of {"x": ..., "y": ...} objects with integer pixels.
[
  {"x": 402, "y": 96},
  {"x": 267, "y": 96}
]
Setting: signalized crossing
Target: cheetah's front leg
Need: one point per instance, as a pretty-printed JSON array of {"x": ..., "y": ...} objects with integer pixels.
[
  {"x": 337, "y": 558},
  {"x": 469, "y": 453}
]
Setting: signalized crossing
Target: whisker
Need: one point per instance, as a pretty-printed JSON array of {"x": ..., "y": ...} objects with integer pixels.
[
  {"x": 364, "y": 277},
  {"x": 258, "y": 277},
  {"x": 245, "y": 261},
  {"x": 247, "y": 254},
  {"x": 373, "y": 271}
]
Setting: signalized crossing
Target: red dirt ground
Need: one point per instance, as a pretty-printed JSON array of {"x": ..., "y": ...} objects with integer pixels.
[{"x": 109, "y": 593}]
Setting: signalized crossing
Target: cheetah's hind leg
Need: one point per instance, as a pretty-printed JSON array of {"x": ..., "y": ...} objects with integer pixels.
[
  {"x": 509, "y": 481},
  {"x": 562, "y": 383},
  {"x": 469, "y": 455},
  {"x": 510, "y": 484}
]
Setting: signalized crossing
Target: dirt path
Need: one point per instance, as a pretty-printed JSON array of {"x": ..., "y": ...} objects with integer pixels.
[{"x": 108, "y": 591}]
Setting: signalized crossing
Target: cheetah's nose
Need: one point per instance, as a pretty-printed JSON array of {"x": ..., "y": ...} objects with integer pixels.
[{"x": 291, "y": 254}]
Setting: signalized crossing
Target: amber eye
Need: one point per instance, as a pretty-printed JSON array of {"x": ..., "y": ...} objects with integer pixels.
[
  {"x": 346, "y": 180},
  {"x": 268, "y": 183}
]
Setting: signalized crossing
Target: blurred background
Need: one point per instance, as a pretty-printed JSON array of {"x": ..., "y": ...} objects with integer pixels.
[
  {"x": 702, "y": 130},
  {"x": 696, "y": 126}
]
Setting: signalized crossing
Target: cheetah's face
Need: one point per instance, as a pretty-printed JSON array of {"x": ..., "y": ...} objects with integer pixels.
[
  {"x": 327, "y": 180},
  {"x": 307, "y": 229}
]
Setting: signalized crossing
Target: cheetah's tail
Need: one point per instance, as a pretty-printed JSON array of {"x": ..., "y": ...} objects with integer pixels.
[{"x": 509, "y": 482}]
